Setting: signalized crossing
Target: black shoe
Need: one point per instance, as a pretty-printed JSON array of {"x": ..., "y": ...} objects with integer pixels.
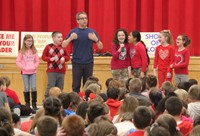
[
  {"x": 33, "y": 111},
  {"x": 34, "y": 106},
  {"x": 27, "y": 104}
]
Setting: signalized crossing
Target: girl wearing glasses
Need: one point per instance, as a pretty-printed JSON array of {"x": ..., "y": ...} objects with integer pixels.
[
  {"x": 182, "y": 57},
  {"x": 28, "y": 61}
]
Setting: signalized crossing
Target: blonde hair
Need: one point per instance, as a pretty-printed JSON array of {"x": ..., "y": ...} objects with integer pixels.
[
  {"x": 24, "y": 48},
  {"x": 182, "y": 94},
  {"x": 168, "y": 35},
  {"x": 54, "y": 91},
  {"x": 129, "y": 104},
  {"x": 87, "y": 83},
  {"x": 95, "y": 88},
  {"x": 40, "y": 113}
]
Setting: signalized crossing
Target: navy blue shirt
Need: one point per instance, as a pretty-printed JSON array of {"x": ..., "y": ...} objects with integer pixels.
[{"x": 82, "y": 46}]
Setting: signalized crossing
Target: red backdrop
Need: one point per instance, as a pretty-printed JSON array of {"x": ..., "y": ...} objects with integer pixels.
[{"x": 105, "y": 16}]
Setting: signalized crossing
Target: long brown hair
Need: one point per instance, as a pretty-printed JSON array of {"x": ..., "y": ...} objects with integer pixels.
[{"x": 24, "y": 48}]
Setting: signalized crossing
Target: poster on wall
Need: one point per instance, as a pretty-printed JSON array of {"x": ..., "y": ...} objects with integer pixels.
[
  {"x": 9, "y": 41},
  {"x": 151, "y": 41},
  {"x": 41, "y": 39}
]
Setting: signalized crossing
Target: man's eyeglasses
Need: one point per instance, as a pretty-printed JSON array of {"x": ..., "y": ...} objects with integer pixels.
[{"x": 82, "y": 18}]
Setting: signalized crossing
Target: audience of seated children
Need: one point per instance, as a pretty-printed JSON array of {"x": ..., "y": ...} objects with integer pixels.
[
  {"x": 48, "y": 119},
  {"x": 174, "y": 107}
]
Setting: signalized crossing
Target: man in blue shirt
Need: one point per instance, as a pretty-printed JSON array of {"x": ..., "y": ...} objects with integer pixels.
[{"x": 82, "y": 39}]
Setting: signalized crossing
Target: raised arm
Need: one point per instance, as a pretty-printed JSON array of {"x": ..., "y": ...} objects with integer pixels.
[{"x": 68, "y": 40}]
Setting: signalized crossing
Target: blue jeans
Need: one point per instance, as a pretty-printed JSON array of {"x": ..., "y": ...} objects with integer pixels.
[{"x": 29, "y": 82}]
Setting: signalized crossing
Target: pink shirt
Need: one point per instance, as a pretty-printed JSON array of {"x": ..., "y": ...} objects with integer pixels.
[{"x": 27, "y": 62}]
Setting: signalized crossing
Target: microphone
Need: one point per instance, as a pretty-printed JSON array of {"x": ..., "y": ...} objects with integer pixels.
[{"x": 122, "y": 48}]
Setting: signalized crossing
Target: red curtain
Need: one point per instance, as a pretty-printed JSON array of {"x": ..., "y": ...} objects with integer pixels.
[{"x": 105, "y": 16}]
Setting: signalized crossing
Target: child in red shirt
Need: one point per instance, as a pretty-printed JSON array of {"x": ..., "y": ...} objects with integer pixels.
[
  {"x": 113, "y": 100},
  {"x": 120, "y": 55},
  {"x": 164, "y": 57},
  {"x": 55, "y": 56},
  {"x": 138, "y": 55},
  {"x": 182, "y": 57}
]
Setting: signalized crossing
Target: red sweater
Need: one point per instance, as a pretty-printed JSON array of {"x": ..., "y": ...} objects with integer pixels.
[
  {"x": 12, "y": 94},
  {"x": 181, "y": 61},
  {"x": 120, "y": 60},
  {"x": 185, "y": 127},
  {"x": 58, "y": 52},
  {"x": 164, "y": 57},
  {"x": 113, "y": 106},
  {"x": 139, "y": 57}
]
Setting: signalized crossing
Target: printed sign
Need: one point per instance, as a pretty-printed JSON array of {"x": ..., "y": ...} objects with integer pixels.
[
  {"x": 151, "y": 41},
  {"x": 41, "y": 39},
  {"x": 9, "y": 41}
]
